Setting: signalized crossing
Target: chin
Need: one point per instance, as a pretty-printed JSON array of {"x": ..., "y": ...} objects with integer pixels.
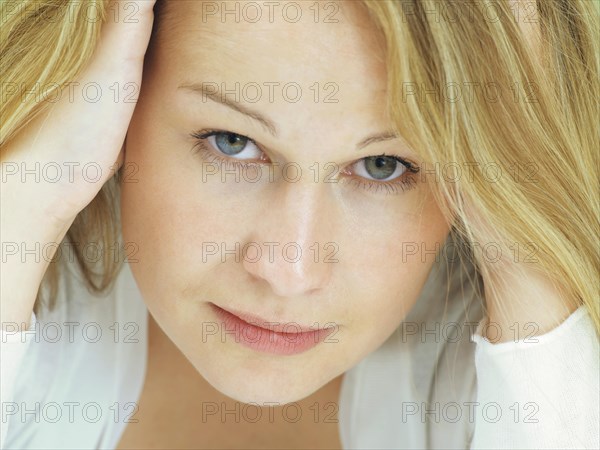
[
  {"x": 264, "y": 395},
  {"x": 274, "y": 389}
]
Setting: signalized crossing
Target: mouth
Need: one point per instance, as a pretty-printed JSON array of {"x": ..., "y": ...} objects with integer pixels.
[{"x": 261, "y": 335}]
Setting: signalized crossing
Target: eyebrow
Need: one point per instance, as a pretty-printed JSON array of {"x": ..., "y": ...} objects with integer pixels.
[
  {"x": 379, "y": 137},
  {"x": 212, "y": 93}
]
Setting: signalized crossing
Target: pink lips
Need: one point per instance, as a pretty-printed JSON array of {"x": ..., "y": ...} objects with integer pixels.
[{"x": 279, "y": 339}]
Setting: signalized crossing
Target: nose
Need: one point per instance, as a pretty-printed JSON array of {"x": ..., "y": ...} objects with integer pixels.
[{"x": 291, "y": 248}]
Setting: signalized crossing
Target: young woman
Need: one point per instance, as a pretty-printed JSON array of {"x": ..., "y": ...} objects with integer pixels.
[{"x": 385, "y": 211}]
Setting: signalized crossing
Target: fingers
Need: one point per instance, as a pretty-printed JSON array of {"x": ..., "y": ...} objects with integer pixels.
[
  {"x": 88, "y": 124},
  {"x": 114, "y": 78},
  {"x": 126, "y": 33}
]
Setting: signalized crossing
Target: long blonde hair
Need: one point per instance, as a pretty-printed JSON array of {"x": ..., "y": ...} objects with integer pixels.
[
  {"x": 515, "y": 115},
  {"x": 537, "y": 127}
]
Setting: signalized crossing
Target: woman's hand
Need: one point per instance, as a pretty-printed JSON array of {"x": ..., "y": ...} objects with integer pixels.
[
  {"x": 521, "y": 301},
  {"x": 83, "y": 137},
  {"x": 83, "y": 127}
]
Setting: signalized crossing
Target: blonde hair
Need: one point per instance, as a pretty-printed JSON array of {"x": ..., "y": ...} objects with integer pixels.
[
  {"x": 551, "y": 127},
  {"x": 545, "y": 136}
]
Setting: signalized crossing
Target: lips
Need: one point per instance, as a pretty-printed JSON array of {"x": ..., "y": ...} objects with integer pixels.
[{"x": 277, "y": 338}]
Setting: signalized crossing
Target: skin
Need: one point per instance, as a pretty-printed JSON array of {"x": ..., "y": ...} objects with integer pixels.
[{"x": 170, "y": 210}]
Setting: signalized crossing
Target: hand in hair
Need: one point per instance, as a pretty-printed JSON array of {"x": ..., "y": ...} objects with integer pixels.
[
  {"x": 522, "y": 300},
  {"x": 81, "y": 134}
]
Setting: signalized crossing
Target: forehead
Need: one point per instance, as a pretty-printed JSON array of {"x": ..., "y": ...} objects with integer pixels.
[{"x": 263, "y": 41}]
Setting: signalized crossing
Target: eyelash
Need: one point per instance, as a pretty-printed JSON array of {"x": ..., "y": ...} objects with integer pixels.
[{"x": 405, "y": 182}]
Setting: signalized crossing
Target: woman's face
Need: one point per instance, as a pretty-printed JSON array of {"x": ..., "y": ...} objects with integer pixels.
[{"x": 252, "y": 183}]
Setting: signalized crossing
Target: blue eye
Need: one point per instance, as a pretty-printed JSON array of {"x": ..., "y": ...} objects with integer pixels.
[
  {"x": 233, "y": 145},
  {"x": 381, "y": 173},
  {"x": 230, "y": 144},
  {"x": 379, "y": 168}
]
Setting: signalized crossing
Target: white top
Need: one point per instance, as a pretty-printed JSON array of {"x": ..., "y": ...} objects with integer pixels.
[{"x": 73, "y": 380}]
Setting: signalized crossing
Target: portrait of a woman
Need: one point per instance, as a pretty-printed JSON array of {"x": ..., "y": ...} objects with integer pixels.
[{"x": 312, "y": 224}]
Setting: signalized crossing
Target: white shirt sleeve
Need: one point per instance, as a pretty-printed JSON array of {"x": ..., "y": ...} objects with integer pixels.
[
  {"x": 13, "y": 347},
  {"x": 542, "y": 392}
]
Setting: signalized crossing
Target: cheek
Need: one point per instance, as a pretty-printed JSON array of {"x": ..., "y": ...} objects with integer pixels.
[
  {"x": 175, "y": 218},
  {"x": 396, "y": 257},
  {"x": 161, "y": 212}
]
